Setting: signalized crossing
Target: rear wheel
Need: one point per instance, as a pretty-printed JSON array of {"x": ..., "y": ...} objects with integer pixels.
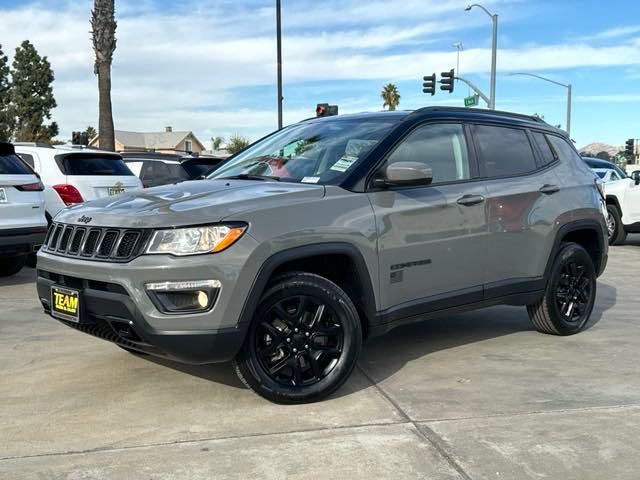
[
  {"x": 303, "y": 342},
  {"x": 615, "y": 227},
  {"x": 570, "y": 295},
  {"x": 11, "y": 265}
]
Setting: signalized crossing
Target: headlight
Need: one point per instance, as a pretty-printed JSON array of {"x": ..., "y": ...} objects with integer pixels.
[{"x": 195, "y": 240}]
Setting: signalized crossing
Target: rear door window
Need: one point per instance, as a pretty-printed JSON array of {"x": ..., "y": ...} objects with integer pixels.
[
  {"x": 503, "y": 151},
  {"x": 12, "y": 165},
  {"x": 546, "y": 154},
  {"x": 92, "y": 164}
]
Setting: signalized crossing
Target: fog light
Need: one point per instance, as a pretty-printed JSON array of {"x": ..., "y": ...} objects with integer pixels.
[
  {"x": 203, "y": 299},
  {"x": 184, "y": 297}
]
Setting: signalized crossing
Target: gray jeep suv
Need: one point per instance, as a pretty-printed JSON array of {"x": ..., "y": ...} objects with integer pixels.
[{"x": 331, "y": 231}]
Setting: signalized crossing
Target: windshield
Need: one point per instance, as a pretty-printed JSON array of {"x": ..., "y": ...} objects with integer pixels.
[{"x": 316, "y": 152}]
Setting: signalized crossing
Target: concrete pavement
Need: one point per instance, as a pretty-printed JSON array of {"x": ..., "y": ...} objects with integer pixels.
[{"x": 473, "y": 396}]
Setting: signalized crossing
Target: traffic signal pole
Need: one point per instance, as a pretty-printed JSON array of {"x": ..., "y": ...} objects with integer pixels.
[{"x": 475, "y": 89}]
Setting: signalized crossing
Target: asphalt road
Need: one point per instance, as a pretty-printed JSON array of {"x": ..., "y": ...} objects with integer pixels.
[{"x": 473, "y": 396}]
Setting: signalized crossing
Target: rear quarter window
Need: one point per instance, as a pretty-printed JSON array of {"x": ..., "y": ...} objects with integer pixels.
[
  {"x": 12, "y": 165},
  {"x": 547, "y": 155},
  {"x": 92, "y": 164},
  {"x": 563, "y": 150},
  {"x": 504, "y": 151}
]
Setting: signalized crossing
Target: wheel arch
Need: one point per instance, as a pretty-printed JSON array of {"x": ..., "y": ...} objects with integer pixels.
[
  {"x": 589, "y": 234},
  {"x": 613, "y": 200},
  {"x": 294, "y": 258}
]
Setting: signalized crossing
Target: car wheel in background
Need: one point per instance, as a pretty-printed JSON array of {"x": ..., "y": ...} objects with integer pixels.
[
  {"x": 11, "y": 265},
  {"x": 303, "y": 342},
  {"x": 570, "y": 295},
  {"x": 615, "y": 227}
]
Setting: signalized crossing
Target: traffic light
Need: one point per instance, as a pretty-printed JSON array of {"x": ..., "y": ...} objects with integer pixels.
[
  {"x": 446, "y": 81},
  {"x": 429, "y": 85},
  {"x": 326, "y": 110},
  {"x": 75, "y": 138},
  {"x": 84, "y": 139},
  {"x": 628, "y": 147}
]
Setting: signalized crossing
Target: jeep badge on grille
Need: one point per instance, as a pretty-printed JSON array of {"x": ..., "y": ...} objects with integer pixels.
[{"x": 84, "y": 219}]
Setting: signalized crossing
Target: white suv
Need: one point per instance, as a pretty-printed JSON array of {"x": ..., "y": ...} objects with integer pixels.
[
  {"x": 74, "y": 175},
  {"x": 623, "y": 199},
  {"x": 22, "y": 222}
]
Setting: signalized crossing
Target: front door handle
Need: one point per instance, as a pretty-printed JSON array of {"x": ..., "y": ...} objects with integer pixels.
[
  {"x": 549, "y": 189},
  {"x": 468, "y": 200}
]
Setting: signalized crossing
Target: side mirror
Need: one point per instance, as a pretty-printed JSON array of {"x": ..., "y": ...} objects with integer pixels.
[
  {"x": 636, "y": 177},
  {"x": 404, "y": 174}
]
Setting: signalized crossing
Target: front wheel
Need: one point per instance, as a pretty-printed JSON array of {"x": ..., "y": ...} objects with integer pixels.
[
  {"x": 303, "y": 342},
  {"x": 570, "y": 295}
]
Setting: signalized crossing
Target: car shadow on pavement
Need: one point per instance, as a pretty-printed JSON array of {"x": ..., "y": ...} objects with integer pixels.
[
  {"x": 26, "y": 276},
  {"x": 388, "y": 354}
]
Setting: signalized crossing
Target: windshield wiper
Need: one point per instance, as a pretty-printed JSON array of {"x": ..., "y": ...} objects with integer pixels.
[{"x": 247, "y": 176}]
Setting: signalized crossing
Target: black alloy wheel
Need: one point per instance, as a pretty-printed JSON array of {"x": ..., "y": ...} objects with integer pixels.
[{"x": 304, "y": 340}]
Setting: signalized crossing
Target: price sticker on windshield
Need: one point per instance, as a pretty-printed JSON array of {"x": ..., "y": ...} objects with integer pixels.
[{"x": 344, "y": 163}]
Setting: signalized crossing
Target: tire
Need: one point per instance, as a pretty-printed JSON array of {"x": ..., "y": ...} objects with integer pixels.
[
  {"x": 11, "y": 265},
  {"x": 303, "y": 342},
  {"x": 615, "y": 227},
  {"x": 570, "y": 295}
]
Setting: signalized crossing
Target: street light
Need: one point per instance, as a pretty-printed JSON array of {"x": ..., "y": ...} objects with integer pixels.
[
  {"x": 459, "y": 47},
  {"x": 494, "y": 51},
  {"x": 567, "y": 86}
]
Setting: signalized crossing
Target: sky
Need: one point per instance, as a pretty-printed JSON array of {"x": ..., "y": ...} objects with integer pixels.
[{"x": 209, "y": 66}]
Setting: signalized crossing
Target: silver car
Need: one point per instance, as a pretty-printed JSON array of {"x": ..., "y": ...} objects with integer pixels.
[{"x": 331, "y": 231}]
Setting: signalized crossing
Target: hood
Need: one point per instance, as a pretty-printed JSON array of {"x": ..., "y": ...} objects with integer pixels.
[{"x": 187, "y": 203}]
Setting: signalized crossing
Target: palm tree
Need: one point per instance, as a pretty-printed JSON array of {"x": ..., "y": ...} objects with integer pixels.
[
  {"x": 103, "y": 35},
  {"x": 390, "y": 96}
]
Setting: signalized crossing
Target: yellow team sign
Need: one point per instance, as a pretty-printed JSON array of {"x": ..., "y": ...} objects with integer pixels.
[{"x": 65, "y": 303}]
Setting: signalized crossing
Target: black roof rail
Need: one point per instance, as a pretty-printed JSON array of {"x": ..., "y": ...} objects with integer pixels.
[{"x": 481, "y": 110}]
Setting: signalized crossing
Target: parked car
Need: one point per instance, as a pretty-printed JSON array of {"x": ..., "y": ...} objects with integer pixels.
[
  {"x": 622, "y": 194},
  {"x": 22, "y": 222},
  {"x": 331, "y": 231},
  {"x": 161, "y": 169},
  {"x": 74, "y": 175}
]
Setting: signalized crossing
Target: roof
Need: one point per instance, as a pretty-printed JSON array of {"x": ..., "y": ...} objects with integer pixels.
[
  {"x": 152, "y": 140},
  {"x": 461, "y": 113}
]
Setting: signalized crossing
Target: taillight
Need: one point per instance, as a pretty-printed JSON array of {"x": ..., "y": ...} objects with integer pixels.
[
  {"x": 31, "y": 187},
  {"x": 69, "y": 194}
]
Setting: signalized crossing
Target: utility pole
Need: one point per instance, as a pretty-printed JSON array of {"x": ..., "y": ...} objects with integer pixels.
[{"x": 279, "y": 54}]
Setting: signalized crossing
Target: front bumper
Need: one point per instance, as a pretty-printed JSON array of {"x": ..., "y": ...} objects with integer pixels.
[
  {"x": 115, "y": 305},
  {"x": 108, "y": 312}
]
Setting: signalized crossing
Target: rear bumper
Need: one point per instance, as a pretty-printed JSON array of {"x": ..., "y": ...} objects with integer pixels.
[
  {"x": 21, "y": 241},
  {"x": 109, "y": 313}
]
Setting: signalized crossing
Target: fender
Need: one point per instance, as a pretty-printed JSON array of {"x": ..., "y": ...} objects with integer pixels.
[
  {"x": 585, "y": 224},
  {"x": 299, "y": 253},
  {"x": 615, "y": 201}
]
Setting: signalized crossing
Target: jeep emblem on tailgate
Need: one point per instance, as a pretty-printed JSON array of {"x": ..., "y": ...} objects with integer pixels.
[{"x": 84, "y": 219}]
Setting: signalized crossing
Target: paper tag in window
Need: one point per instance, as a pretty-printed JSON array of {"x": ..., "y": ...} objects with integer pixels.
[
  {"x": 310, "y": 180},
  {"x": 344, "y": 163}
]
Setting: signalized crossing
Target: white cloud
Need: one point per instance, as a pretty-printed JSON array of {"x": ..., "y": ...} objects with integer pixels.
[{"x": 184, "y": 67}]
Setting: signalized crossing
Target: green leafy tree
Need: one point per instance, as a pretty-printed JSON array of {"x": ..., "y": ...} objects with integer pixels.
[
  {"x": 390, "y": 96},
  {"x": 236, "y": 143},
  {"x": 103, "y": 35},
  {"x": 90, "y": 132},
  {"x": 216, "y": 142},
  {"x": 6, "y": 122},
  {"x": 32, "y": 95}
]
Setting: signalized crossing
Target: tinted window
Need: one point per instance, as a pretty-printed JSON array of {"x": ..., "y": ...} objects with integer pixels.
[
  {"x": 12, "y": 165},
  {"x": 601, "y": 174},
  {"x": 440, "y": 147},
  {"x": 563, "y": 150},
  {"x": 196, "y": 168},
  {"x": 544, "y": 148},
  {"x": 27, "y": 158},
  {"x": 504, "y": 151},
  {"x": 92, "y": 164}
]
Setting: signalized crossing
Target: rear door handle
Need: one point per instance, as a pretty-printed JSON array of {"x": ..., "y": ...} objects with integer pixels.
[
  {"x": 549, "y": 189},
  {"x": 468, "y": 200}
]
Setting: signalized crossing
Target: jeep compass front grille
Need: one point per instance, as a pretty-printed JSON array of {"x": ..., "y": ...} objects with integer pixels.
[{"x": 96, "y": 243}]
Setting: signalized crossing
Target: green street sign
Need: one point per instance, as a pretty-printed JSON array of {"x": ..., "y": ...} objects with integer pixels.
[{"x": 471, "y": 101}]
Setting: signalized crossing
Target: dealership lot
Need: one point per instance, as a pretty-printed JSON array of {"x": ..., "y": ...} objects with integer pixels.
[{"x": 478, "y": 395}]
